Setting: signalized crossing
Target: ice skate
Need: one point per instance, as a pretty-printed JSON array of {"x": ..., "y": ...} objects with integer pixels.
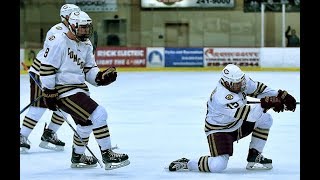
[
  {"x": 114, "y": 160},
  {"x": 49, "y": 140},
  {"x": 82, "y": 161},
  {"x": 24, "y": 144},
  {"x": 179, "y": 165},
  {"x": 257, "y": 162}
]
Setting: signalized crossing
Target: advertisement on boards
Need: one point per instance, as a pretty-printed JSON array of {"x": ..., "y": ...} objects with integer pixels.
[
  {"x": 187, "y": 3},
  {"x": 155, "y": 57},
  {"x": 29, "y": 55},
  {"x": 183, "y": 57},
  {"x": 121, "y": 56},
  {"x": 237, "y": 56},
  {"x": 21, "y": 58},
  {"x": 95, "y": 5}
]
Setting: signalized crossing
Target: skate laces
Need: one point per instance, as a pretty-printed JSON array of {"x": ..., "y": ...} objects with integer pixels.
[
  {"x": 48, "y": 133},
  {"x": 24, "y": 139},
  {"x": 113, "y": 154},
  {"x": 85, "y": 158},
  {"x": 260, "y": 158},
  {"x": 183, "y": 160},
  {"x": 181, "y": 163},
  {"x": 52, "y": 135},
  {"x": 55, "y": 137}
]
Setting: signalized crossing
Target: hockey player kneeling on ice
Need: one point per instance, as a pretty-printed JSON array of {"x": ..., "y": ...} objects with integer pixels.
[
  {"x": 229, "y": 118},
  {"x": 67, "y": 64}
]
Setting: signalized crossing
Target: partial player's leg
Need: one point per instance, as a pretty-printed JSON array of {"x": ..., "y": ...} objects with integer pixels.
[
  {"x": 49, "y": 138},
  {"x": 221, "y": 147},
  {"x": 112, "y": 160},
  {"x": 79, "y": 159},
  {"x": 32, "y": 117},
  {"x": 24, "y": 144},
  {"x": 87, "y": 110},
  {"x": 256, "y": 161},
  {"x": 179, "y": 164},
  {"x": 260, "y": 132}
]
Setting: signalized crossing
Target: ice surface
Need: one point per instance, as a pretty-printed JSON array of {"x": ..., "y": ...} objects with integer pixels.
[{"x": 158, "y": 117}]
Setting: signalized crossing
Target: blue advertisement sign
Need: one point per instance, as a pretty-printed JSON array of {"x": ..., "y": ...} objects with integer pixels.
[
  {"x": 183, "y": 57},
  {"x": 155, "y": 56}
]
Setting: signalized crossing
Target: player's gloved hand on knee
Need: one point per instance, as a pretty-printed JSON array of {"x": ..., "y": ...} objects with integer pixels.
[
  {"x": 106, "y": 77},
  {"x": 271, "y": 102},
  {"x": 50, "y": 98},
  {"x": 288, "y": 100}
]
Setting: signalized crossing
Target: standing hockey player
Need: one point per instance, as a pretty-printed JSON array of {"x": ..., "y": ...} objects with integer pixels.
[
  {"x": 229, "y": 118},
  {"x": 67, "y": 64},
  {"x": 49, "y": 139}
]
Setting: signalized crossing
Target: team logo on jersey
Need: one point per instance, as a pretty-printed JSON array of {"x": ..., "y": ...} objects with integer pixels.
[
  {"x": 59, "y": 27},
  {"x": 52, "y": 38},
  {"x": 229, "y": 97},
  {"x": 74, "y": 57},
  {"x": 87, "y": 44}
]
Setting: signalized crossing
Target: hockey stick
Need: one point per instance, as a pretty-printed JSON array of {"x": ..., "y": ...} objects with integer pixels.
[
  {"x": 34, "y": 101},
  {"x": 257, "y": 102},
  {"x": 25, "y": 67},
  {"x": 66, "y": 119}
]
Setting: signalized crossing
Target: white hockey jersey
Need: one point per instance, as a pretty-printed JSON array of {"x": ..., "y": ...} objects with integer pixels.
[
  {"x": 67, "y": 64},
  {"x": 226, "y": 110},
  {"x": 56, "y": 29}
]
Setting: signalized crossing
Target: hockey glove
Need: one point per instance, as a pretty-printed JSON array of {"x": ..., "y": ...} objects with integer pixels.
[
  {"x": 271, "y": 102},
  {"x": 288, "y": 100},
  {"x": 106, "y": 77},
  {"x": 50, "y": 98}
]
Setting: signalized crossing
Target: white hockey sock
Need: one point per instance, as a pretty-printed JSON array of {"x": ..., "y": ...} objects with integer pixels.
[
  {"x": 54, "y": 127},
  {"x": 100, "y": 127},
  {"x": 57, "y": 119},
  {"x": 84, "y": 132},
  {"x": 216, "y": 164},
  {"x": 257, "y": 144},
  {"x": 31, "y": 119}
]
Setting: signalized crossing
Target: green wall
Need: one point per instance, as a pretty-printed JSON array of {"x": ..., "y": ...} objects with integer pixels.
[{"x": 206, "y": 27}]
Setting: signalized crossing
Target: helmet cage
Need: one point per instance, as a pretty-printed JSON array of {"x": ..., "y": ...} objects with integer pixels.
[
  {"x": 235, "y": 86},
  {"x": 80, "y": 24},
  {"x": 83, "y": 32}
]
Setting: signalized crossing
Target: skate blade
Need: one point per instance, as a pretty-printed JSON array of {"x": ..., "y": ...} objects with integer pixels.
[
  {"x": 24, "y": 150},
  {"x": 166, "y": 168},
  {"x": 82, "y": 165},
  {"x": 50, "y": 146},
  {"x": 258, "y": 166},
  {"x": 111, "y": 166}
]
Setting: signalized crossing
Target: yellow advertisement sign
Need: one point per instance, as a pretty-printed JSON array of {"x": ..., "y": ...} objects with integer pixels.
[{"x": 29, "y": 55}]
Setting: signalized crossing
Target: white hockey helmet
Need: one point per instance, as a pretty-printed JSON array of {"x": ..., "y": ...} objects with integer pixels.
[
  {"x": 80, "y": 24},
  {"x": 233, "y": 78},
  {"x": 66, "y": 9}
]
